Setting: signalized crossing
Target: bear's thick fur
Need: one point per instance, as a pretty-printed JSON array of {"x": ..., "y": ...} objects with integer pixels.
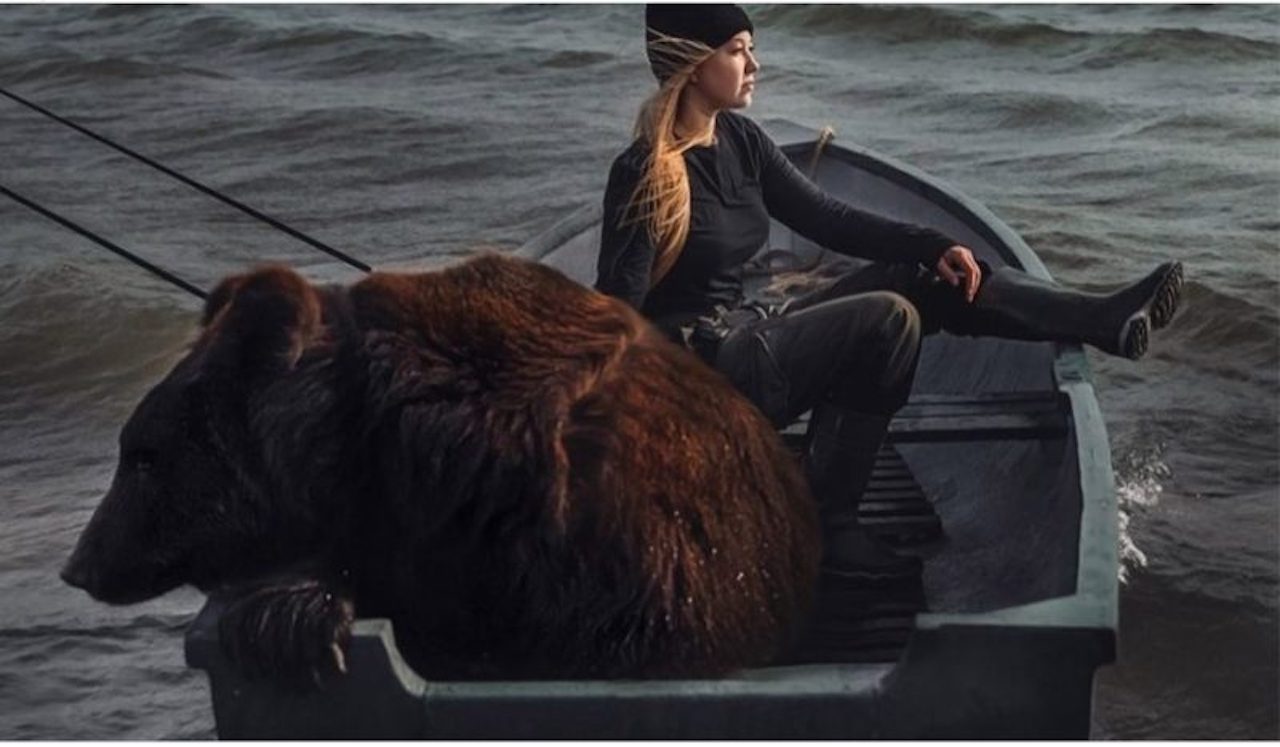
[{"x": 520, "y": 472}]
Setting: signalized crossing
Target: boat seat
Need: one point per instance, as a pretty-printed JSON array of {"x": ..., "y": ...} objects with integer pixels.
[
  {"x": 895, "y": 507},
  {"x": 868, "y": 622},
  {"x": 871, "y": 622},
  {"x": 982, "y": 417},
  {"x": 973, "y": 417}
]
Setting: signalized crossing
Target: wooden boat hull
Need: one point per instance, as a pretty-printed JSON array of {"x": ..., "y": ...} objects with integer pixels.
[{"x": 1003, "y": 446}]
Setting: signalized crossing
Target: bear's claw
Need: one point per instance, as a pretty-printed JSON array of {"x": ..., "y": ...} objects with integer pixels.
[
  {"x": 289, "y": 630},
  {"x": 339, "y": 658}
]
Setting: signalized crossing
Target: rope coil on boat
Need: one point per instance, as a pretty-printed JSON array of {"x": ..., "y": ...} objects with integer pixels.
[{"x": 825, "y": 136}]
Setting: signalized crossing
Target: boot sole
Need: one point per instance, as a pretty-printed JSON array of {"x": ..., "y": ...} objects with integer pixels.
[
  {"x": 1135, "y": 335},
  {"x": 1166, "y": 297}
]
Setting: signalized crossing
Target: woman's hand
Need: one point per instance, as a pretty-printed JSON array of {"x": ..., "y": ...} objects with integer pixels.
[{"x": 957, "y": 265}]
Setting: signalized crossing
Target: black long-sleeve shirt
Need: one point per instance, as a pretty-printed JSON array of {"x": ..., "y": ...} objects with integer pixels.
[{"x": 734, "y": 186}]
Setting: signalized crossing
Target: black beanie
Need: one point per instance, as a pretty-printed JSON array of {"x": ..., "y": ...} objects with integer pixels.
[{"x": 712, "y": 25}]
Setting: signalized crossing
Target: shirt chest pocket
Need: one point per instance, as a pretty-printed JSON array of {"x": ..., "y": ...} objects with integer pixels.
[
  {"x": 743, "y": 189},
  {"x": 705, "y": 213}
]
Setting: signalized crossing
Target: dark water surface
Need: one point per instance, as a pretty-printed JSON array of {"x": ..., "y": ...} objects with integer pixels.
[{"x": 1111, "y": 137}]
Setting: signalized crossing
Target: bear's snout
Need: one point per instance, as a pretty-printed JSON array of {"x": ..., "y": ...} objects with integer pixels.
[
  {"x": 103, "y": 564},
  {"x": 113, "y": 585},
  {"x": 78, "y": 574}
]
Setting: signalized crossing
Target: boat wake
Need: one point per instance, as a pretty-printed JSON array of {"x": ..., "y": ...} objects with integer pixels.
[{"x": 1140, "y": 476}]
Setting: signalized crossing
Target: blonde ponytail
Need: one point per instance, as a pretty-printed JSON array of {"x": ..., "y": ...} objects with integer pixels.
[{"x": 661, "y": 198}]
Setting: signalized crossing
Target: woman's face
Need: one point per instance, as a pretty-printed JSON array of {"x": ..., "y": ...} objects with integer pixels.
[{"x": 727, "y": 78}]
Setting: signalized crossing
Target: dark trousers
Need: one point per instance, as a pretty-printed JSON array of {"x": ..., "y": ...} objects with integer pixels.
[{"x": 855, "y": 342}]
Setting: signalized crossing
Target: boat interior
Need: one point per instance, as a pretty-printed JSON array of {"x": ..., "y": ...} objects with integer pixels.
[
  {"x": 979, "y": 475},
  {"x": 996, "y": 473}
]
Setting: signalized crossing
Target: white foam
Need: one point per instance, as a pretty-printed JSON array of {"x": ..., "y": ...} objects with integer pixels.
[{"x": 1140, "y": 476}]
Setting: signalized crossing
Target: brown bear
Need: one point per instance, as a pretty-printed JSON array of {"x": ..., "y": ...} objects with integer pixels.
[{"x": 521, "y": 473}]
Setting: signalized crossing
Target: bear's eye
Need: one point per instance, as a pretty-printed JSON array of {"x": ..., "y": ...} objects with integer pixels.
[{"x": 141, "y": 460}]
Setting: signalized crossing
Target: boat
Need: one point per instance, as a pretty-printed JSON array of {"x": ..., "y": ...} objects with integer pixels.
[{"x": 997, "y": 473}]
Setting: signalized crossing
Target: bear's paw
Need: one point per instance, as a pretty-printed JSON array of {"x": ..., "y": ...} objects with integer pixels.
[{"x": 290, "y": 629}]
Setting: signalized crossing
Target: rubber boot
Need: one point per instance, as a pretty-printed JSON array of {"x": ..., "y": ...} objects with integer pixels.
[
  {"x": 1012, "y": 304},
  {"x": 839, "y": 459}
]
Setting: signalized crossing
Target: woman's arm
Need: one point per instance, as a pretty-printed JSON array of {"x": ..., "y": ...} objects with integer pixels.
[
  {"x": 626, "y": 253},
  {"x": 804, "y": 208}
]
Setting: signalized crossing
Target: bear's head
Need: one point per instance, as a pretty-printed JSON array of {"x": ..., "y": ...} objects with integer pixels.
[{"x": 195, "y": 498}]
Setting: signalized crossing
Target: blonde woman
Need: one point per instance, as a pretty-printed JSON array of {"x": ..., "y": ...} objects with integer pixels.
[{"x": 689, "y": 203}]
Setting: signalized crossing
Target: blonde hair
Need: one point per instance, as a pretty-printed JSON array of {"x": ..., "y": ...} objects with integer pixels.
[{"x": 661, "y": 198}]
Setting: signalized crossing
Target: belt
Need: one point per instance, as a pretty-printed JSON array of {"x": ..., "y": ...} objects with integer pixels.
[{"x": 706, "y": 333}]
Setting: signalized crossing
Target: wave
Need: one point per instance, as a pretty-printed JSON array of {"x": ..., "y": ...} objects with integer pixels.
[
  {"x": 68, "y": 67},
  {"x": 326, "y": 129},
  {"x": 333, "y": 52},
  {"x": 1098, "y": 48},
  {"x": 323, "y": 50},
  {"x": 1230, "y": 335},
  {"x": 72, "y": 336},
  {"x": 576, "y": 58},
  {"x": 123, "y": 630},
  {"x": 914, "y": 24},
  {"x": 1033, "y": 110},
  {"x": 340, "y": 48},
  {"x": 327, "y": 36},
  {"x": 195, "y": 29},
  {"x": 1178, "y": 45},
  {"x": 1230, "y": 126}
]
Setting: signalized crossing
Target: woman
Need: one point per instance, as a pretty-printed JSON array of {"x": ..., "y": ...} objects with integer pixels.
[{"x": 689, "y": 202}]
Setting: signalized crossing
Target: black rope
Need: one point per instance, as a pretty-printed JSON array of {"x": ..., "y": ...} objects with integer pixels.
[
  {"x": 95, "y": 237},
  {"x": 191, "y": 182}
]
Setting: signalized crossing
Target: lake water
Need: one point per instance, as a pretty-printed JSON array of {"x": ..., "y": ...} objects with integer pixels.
[{"x": 1110, "y": 137}]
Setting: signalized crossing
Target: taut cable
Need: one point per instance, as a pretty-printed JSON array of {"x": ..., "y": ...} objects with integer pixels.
[
  {"x": 193, "y": 183},
  {"x": 188, "y": 287}
]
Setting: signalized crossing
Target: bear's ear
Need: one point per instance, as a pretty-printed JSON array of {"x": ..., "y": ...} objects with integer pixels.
[
  {"x": 218, "y": 299},
  {"x": 263, "y": 319}
]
